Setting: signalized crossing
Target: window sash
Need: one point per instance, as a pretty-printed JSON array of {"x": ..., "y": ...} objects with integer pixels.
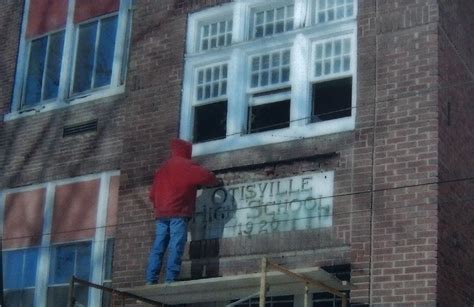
[
  {"x": 216, "y": 34},
  {"x": 333, "y": 10},
  {"x": 90, "y": 67},
  {"x": 66, "y": 260},
  {"x": 269, "y": 70},
  {"x": 211, "y": 83},
  {"x": 272, "y": 20},
  {"x": 45, "y": 61}
]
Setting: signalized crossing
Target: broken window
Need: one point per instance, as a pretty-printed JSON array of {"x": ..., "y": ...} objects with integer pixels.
[{"x": 332, "y": 99}]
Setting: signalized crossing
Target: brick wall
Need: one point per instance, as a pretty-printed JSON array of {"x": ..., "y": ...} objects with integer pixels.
[
  {"x": 404, "y": 204},
  {"x": 32, "y": 147},
  {"x": 456, "y": 66}
]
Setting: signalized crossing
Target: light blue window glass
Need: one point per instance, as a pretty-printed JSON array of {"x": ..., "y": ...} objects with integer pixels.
[
  {"x": 44, "y": 68},
  {"x": 53, "y": 67},
  {"x": 34, "y": 77},
  {"x": 95, "y": 54},
  {"x": 105, "y": 52},
  {"x": 19, "y": 267},
  {"x": 69, "y": 260},
  {"x": 85, "y": 57}
]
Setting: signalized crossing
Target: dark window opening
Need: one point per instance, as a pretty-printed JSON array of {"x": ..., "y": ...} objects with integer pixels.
[
  {"x": 332, "y": 99},
  {"x": 272, "y": 301},
  {"x": 269, "y": 116},
  {"x": 210, "y": 122},
  {"x": 325, "y": 299}
]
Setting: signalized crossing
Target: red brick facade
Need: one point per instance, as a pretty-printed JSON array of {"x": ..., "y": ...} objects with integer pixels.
[{"x": 405, "y": 236}]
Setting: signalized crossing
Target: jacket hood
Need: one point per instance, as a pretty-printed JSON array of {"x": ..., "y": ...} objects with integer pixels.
[{"x": 181, "y": 148}]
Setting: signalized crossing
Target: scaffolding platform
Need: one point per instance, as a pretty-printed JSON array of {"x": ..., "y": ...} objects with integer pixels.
[{"x": 227, "y": 288}]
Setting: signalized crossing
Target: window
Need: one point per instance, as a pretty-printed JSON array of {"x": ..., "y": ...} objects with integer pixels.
[
  {"x": 19, "y": 267},
  {"x": 260, "y": 72},
  {"x": 68, "y": 260},
  {"x": 210, "y": 112},
  {"x": 324, "y": 299},
  {"x": 65, "y": 56}
]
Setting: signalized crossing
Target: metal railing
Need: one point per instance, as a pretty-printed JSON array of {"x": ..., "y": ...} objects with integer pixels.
[{"x": 123, "y": 295}]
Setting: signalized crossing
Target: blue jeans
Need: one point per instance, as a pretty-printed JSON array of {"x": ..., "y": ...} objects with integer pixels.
[{"x": 171, "y": 233}]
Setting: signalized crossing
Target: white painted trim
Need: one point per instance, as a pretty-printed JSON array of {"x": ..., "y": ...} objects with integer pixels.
[
  {"x": 43, "y": 264},
  {"x": 66, "y": 64},
  {"x": 99, "y": 244},
  {"x": 120, "y": 48},
  {"x": 300, "y": 40}
]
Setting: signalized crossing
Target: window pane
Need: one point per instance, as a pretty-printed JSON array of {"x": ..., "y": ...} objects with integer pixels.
[
  {"x": 270, "y": 69},
  {"x": 332, "y": 57},
  {"x": 219, "y": 36},
  {"x": 19, "y": 298},
  {"x": 210, "y": 121},
  {"x": 34, "y": 77},
  {"x": 13, "y": 264},
  {"x": 53, "y": 68},
  {"x": 272, "y": 21},
  {"x": 29, "y": 275},
  {"x": 269, "y": 116},
  {"x": 214, "y": 80},
  {"x": 62, "y": 266},
  {"x": 83, "y": 261},
  {"x": 105, "y": 52},
  {"x": 58, "y": 295},
  {"x": 109, "y": 254},
  {"x": 329, "y": 10},
  {"x": 85, "y": 57},
  {"x": 332, "y": 99}
]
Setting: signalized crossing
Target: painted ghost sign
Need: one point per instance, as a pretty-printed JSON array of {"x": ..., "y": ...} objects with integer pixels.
[{"x": 247, "y": 209}]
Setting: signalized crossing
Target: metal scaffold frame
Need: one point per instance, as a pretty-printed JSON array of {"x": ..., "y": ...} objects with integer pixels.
[{"x": 264, "y": 284}]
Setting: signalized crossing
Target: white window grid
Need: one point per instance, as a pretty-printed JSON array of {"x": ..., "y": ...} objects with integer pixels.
[
  {"x": 332, "y": 10},
  {"x": 64, "y": 98},
  {"x": 240, "y": 95},
  {"x": 215, "y": 35},
  {"x": 211, "y": 82},
  {"x": 332, "y": 57},
  {"x": 270, "y": 69},
  {"x": 272, "y": 21}
]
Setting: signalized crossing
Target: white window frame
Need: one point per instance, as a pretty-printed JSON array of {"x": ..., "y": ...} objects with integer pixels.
[
  {"x": 65, "y": 98},
  {"x": 300, "y": 39},
  {"x": 45, "y": 249}
]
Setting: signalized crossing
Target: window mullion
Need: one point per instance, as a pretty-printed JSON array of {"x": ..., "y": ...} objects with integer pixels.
[
  {"x": 187, "y": 100},
  {"x": 46, "y": 60},
  {"x": 237, "y": 104},
  {"x": 240, "y": 23},
  {"x": 300, "y": 109},
  {"x": 44, "y": 256},
  {"x": 23, "y": 55},
  {"x": 98, "y": 245},
  {"x": 96, "y": 51},
  {"x": 120, "y": 41},
  {"x": 25, "y": 75},
  {"x": 302, "y": 13},
  {"x": 66, "y": 74}
]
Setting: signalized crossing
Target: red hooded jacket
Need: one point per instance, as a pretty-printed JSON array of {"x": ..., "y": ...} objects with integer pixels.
[{"x": 173, "y": 192}]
